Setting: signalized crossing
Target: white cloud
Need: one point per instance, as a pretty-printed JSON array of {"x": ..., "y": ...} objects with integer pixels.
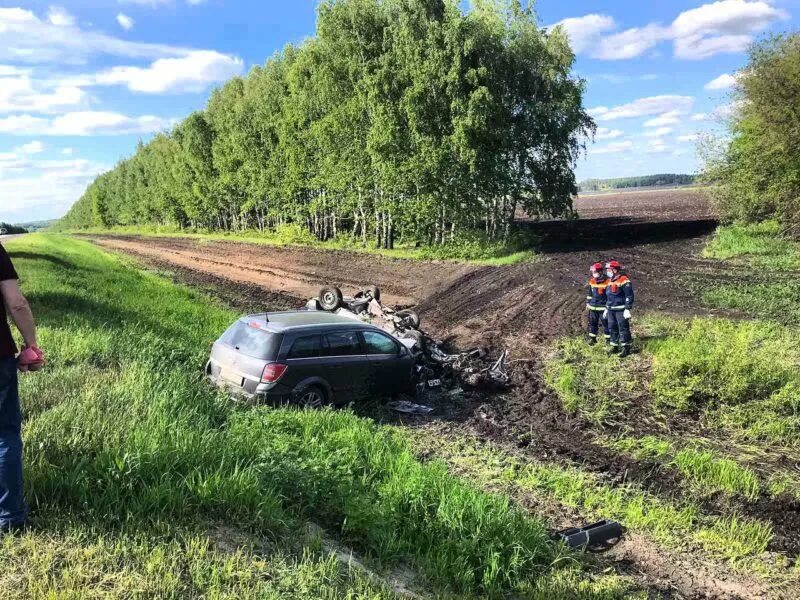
[
  {"x": 83, "y": 123},
  {"x": 657, "y": 147},
  {"x": 724, "y": 26},
  {"x": 630, "y": 43},
  {"x": 585, "y": 32},
  {"x": 25, "y": 38},
  {"x": 613, "y": 148},
  {"x": 643, "y": 107},
  {"x": 650, "y": 77},
  {"x": 20, "y": 93},
  {"x": 692, "y": 137},
  {"x": 718, "y": 27},
  {"x": 604, "y": 133},
  {"x": 35, "y": 147},
  {"x": 699, "y": 117},
  {"x": 68, "y": 151},
  {"x": 672, "y": 117},
  {"x": 192, "y": 73},
  {"x": 660, "y": 132},
  {"x": 43, "y": 189},
  {"x": 59, "y": 17},
  {"x": 125, "y": 21},
  {"x": 22, "y": 125},
  {"x": 723, "y": 82}
]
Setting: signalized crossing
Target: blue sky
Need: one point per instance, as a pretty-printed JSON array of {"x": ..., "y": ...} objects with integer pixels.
[{"x": 82, "y": 81}]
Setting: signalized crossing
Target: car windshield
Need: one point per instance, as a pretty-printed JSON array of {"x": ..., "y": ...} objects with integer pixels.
[{"x": 248, "y": 337}]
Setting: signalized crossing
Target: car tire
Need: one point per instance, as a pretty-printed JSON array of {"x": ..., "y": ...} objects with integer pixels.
[
  {"x": 330, "y": 298},
  {"x": 375, "y": 292},
  {"x": 311, "y": 397},
  {"x": 410, "y": 318}
]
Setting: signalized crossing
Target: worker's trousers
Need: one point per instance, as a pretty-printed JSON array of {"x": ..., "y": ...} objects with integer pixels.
[
  {"x": 12, "y": 504},
  {"x": 620, "y": 328},
  {"x": 595, "y": 320}
]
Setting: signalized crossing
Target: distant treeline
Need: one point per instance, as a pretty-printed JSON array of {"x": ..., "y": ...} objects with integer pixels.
[
  {"x": 401, "y": 118},
  {"x": 596, "y": 185},
  {"x": 11, "y": 229},
  {"x": 36, "y": 225}
]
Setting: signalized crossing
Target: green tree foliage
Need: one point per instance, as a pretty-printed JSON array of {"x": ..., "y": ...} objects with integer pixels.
[
  {"x": 618, "y": 183},
  {"x": 756, "y": 175},
  {"x": 12, "y": 229},
  {"x": 404, "y": 118}
]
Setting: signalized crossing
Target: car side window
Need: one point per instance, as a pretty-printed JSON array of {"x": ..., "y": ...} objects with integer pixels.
[
  {"x": 306, "y": 347},
  {"x": 343, "y": 343},
  {"x": 378, "y": 343}
]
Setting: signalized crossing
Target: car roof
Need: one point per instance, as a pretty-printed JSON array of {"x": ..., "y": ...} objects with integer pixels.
[{"x": 282, "y": 322}]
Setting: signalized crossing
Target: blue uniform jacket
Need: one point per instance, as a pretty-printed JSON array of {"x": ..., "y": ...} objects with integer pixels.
[
  {"x": 619, "y": 293},
  {"x": 596, "y": 294}
]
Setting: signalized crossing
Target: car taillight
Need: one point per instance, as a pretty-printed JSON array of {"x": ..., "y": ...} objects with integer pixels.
[{"x": 273, "y": 372}]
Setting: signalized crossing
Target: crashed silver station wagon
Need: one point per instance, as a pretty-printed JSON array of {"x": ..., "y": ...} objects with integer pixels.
[{"x": 310, "y": 358}]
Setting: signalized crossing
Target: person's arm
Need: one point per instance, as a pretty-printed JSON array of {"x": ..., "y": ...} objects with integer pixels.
[
  {"x": 19, "y": 310},
  {"x": 629, "y": 295}
]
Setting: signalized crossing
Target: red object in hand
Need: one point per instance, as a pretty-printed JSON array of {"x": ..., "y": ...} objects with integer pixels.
[{"x": 30, "y": 359}]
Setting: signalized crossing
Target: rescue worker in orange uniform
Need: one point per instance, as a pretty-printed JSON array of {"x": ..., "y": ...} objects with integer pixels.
[
  {"x": 619, "y": 301},
  {"x": 596, "y": 303}
]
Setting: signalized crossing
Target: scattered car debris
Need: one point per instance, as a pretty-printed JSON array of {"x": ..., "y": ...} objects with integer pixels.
[
  {"x": 436, "y": 369},
  {"x": 408, "y": 407},
  {"x": 592, "y": 536}
]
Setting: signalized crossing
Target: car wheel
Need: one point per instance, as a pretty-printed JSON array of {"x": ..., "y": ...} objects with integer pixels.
[
  {"x": 311, "y": 397},
  {"x": 330, "y": 298},
  {"x": 374, "y": 292},
  {"x": 410, "y": 319}
]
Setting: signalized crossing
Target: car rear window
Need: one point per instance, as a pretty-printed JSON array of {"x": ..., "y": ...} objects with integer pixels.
[
  {"x": 344, "y": 343},
  {"x": 249, "y": 338},
  {"x": 378, "y": 343},
  {"x": 306, "y": 347}
]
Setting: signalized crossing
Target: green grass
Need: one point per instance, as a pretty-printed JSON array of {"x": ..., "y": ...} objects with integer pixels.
[
  {"x": 676, "y": 525},
  {"x": 740, "y": 377},
  {"x": 591, "y": 382},
  {"x": 127, "y": 445},
  {"x": 777, "y": 301},
  {"x": 704, "y": 470},
  {"x": 761, "y": 244},
  {"x": 763, "y": 260},
  {"x": 471, "y": 249}
]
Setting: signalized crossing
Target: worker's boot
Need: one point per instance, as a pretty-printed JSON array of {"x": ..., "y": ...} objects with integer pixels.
[
  {"x": 591, "y": 341},
  {"x": 612, "y": 349},
  {"x": 626, "y": 350}
]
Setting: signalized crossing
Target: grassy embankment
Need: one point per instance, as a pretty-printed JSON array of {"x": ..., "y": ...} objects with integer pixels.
[
  {"x": 474, "y": 249},
  {"x": 714, "y": 403},
  {"x": 710, "y": 407},
  {"x": 767, "y": 267},
  {"x": 143, "y": 481}
]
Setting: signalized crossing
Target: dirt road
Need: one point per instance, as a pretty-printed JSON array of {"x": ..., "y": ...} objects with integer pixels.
[{"x": 517, "y": 306}]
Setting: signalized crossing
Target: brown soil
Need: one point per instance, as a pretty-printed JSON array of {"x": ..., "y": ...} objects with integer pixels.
[{"x": 657, "y": 235}]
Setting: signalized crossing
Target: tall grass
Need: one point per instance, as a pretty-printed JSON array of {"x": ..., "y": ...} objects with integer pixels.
[
  {"x": 123, "y": 435},
  {"x": 762, "y": 244}
]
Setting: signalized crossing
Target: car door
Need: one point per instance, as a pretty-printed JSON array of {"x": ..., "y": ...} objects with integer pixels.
[
  {"x": 306, "y": 360},
  {"x": 390, "y": 365},
  {"x": 346, "y": 365}
]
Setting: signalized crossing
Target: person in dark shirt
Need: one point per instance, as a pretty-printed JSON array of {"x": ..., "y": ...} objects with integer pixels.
[{"x": 13, "y": 510}]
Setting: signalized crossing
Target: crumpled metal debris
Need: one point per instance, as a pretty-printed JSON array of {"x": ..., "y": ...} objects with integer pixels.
[
  {"x": 437, "y": 370},
  {"x": 408, "y": 407}
]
